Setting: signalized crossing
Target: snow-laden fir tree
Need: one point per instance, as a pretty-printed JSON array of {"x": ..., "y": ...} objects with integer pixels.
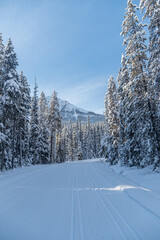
[
  {"x": 70, "y": 143},
  {"x": 123, "y": 93},
  {"x": 54, "y": 121},
  {"x": 89, "y": 140},
  {"x": 79, "y": 151},
  {"x": 75, "y": 140},
  {"x": 34, "y": 128},
  {"x": 113, "y": 123},
  {"x": 98, "y": 137},
  {"x": 43, "y": 150},
  {"x": 152, "y": 11},
  {"x": 85, "y": 141},
  {"x": 3, "y": 137},
  {"x": 11, "y": 101},
  {"x": 60, "y": 150},
  {"x": 140, "y": 134},
  {"x": 23, "y": 120},
  {"x": 105, "y": 139},
  {"x": 65, "y": 142}
]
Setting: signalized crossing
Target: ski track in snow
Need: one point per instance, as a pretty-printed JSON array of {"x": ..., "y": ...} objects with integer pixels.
[
  {"x": 115, "y": 215},
  {"x": 82, "y": 200},
  {"x": 142, "y": 205},
  {"x": 72, "y": 211},
  {"x": 80, "y": 212}
]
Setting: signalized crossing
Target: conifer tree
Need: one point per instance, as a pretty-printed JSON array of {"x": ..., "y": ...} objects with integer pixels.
[
  {"x": 3, "y": 137},
  {"x": 23, "y": 119},
  {"x": 113, "y": 124},
  {"x": 60, "y": 157},
  {"x": 11, "y": 100},
  {"x": 79, "y": 151},
  {"x": 65, "y": 142},
  {"x": 34, "y": 128},
  {"x": 123, "y": 93},
  {"x": 88, "y": 140},
  {"x": 70, "y": 144},
  {"x": 54, "y": 120},
  {"x": 75, "y": 140},
  {"x": 43, "y": 130}
]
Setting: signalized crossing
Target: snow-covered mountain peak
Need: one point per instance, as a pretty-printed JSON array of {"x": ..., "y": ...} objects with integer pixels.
[{"x": 70, "y": 112}]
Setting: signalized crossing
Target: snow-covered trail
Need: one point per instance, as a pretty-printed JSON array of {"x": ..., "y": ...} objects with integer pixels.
[{"x": 76, "y": 201}]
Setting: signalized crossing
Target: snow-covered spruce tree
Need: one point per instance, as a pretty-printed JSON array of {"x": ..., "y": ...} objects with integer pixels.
[
  {"x": 3, "y": 137},
  {"x": 94, "y": 141},
  {"x": 93, "y": 155},
  {"x": 75, "y": 140},
  {"x": 11, "y": 102},
  {"x": 43, "y": 130},
  {"x": 98, "y": 139},
  {"x": 80, "y": 130},
  {"x": 105, "y": 142},
  {"x": 60, "y": 157},
  {"x": 79, "y": 151},
  {"x": 54, "y": 121},
  {"x": 122, "y": 95},
  {"x": 65, "y": 142},
  {"x": 140, "y": 134},
  {"x": 88, "y": 140},
  {"x": 1, "y": 66},
  {"x": 70, "y": 143},
  {"x": 113, "y": 123},
  {"x": 152, "y": 11},
  {"x": 23, "y": 120},
  {"x": 85, "y": 143},
  {"x": 34, "y": 129}
]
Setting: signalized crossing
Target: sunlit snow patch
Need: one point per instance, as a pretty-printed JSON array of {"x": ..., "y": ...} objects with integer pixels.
[{"x": 117, "y": 188}]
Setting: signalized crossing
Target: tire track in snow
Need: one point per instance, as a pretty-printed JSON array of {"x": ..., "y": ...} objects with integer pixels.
[{"x": 114, "y": 210}]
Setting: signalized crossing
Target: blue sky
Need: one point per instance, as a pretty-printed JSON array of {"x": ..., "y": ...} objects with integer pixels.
[{"x": 71, "y": 46}]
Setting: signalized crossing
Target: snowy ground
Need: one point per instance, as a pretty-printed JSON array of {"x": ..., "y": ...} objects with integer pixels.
[{"x": 85, "y": 200}]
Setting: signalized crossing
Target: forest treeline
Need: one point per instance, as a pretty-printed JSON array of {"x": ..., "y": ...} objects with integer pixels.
[{"x": 31, "y": 129}]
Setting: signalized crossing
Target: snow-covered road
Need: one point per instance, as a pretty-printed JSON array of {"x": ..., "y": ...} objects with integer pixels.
[{"x": 83, "y": 200}]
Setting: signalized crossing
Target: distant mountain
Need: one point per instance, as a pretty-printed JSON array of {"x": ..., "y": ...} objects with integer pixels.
[{"x": 70, "y": 112}]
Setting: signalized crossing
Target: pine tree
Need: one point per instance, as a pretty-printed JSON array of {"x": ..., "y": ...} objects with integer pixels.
[
  {"x": 79, "y": 151},
  {"x": 75, "y": 140},
  {"x": 60, "y": 157},
  {"x": 88, "y": 140},
  {"x": 65, "y": 142},
  {"x": 70, "y": 144},
  {"x": 113, "y": 124},
  {"x": 34, "y": 128},
  {"x": 23, "y": 119},
  {"x": 11, "y": 100},
  {"x": 43, "y": 130},
  {"x": 105, "y": 139},
  {"x": 123, "y": 93},
  {"x": 54, "y": 120},
  {"x": 3, "y": 137},
  {"x": 85, "y": 141}
]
